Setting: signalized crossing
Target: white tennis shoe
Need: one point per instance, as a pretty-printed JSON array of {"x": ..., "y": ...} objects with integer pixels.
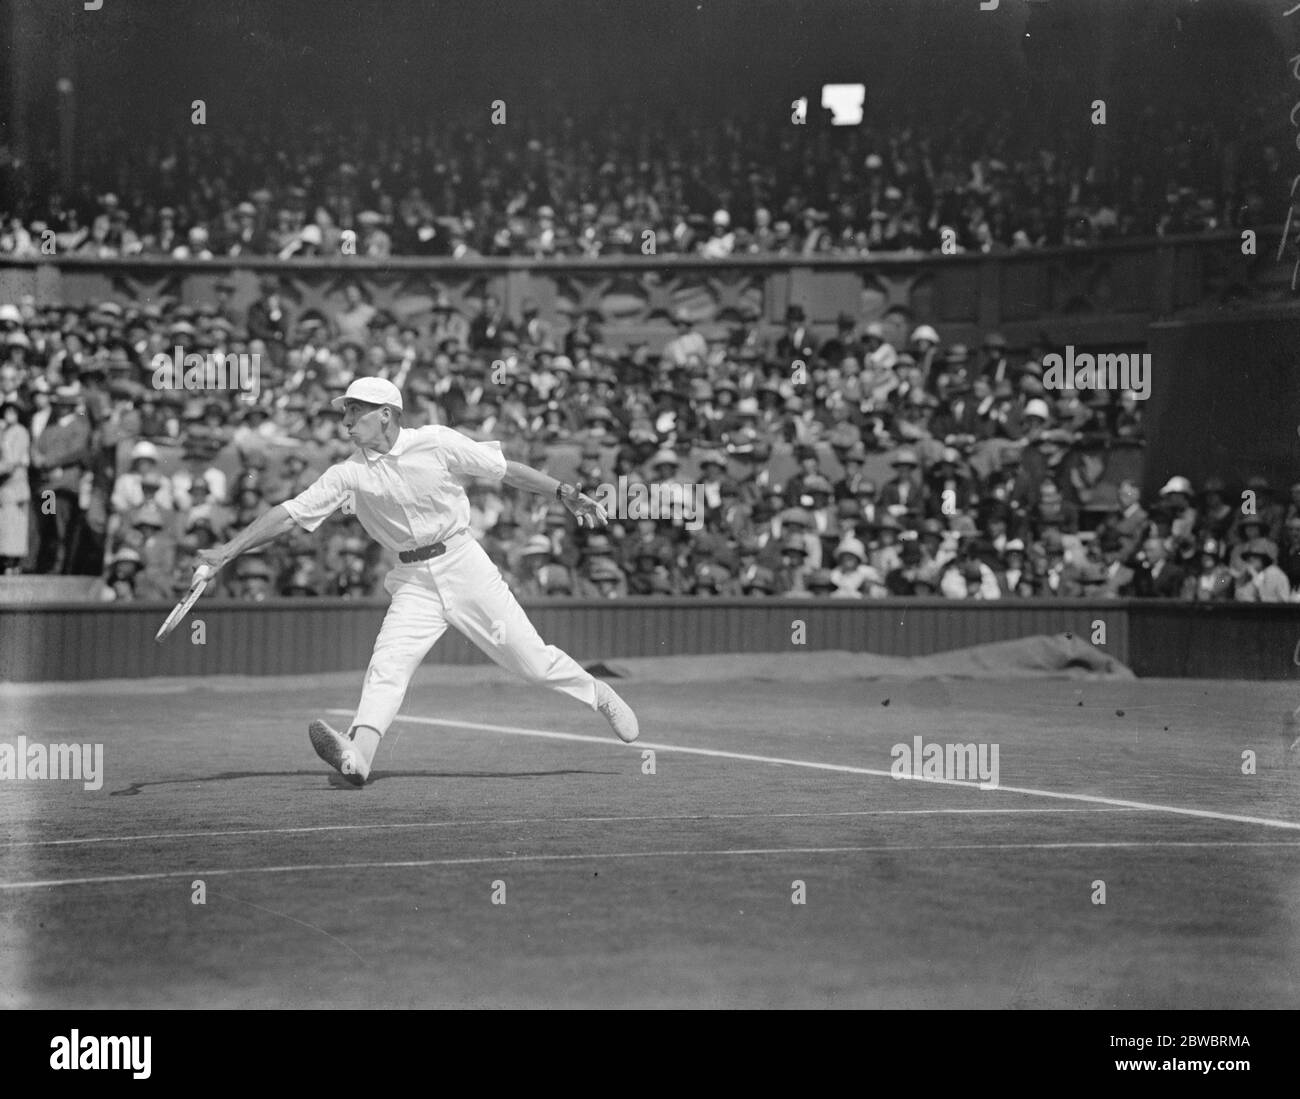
[
  {"x": 617, "y": 712},
  {"x": 339, "y": 752}
]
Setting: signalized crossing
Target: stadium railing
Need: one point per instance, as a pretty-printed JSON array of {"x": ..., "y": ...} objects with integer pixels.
[{"x": 1101, "y": 295}]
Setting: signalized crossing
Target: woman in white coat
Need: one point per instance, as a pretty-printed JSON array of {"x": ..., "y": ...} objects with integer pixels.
[{"x": 15, "y": 490}]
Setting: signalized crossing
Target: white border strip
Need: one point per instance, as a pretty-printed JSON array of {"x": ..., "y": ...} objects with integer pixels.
[
  {"x": 1090, "y": 799},
  {"x": 497, "y": 860}
]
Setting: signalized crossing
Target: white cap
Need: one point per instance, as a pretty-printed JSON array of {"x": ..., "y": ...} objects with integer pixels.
[
  {"x": 144, "y": 449},
  {"x": 1177, "y": 484},
  {"x": 853, "y": 546},
  {"x": 1037, "y": 407},
  {"x": 372, "y": 391}
]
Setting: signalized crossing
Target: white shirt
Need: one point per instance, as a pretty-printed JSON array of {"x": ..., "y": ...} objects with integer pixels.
[{"x": 410, "y": 497}]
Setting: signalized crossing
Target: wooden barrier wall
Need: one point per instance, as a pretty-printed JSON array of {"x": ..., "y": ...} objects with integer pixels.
[{"x": 297, "y": 636}]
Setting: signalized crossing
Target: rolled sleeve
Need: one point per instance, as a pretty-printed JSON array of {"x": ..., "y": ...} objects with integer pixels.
[
  {"x": 469, "y": 458},
  {"x": 319, "y": 500}
]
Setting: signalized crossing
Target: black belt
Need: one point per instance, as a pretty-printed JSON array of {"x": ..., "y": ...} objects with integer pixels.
[{"x": 424, "y": 553}]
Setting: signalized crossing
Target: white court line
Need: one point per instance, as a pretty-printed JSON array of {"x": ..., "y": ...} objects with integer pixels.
[
  {"x": 532, "y": 820},
  {"x": 496, "y": 860},
  {"x": 1092, "y": 799}
]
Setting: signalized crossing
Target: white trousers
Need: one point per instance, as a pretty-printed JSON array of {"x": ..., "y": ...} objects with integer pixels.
[{"x": 461, "y": 588}]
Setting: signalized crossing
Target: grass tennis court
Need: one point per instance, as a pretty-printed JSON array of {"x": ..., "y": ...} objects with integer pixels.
[{"x": 672, "y": 889}]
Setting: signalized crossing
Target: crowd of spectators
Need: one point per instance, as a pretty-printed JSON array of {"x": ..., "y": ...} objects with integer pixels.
[
  {"x": 883, "y": 467},
  {"x": 608, "y": 184}
]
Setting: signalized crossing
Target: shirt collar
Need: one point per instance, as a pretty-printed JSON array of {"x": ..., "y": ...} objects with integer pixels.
[{"x": 402, "y": 441}]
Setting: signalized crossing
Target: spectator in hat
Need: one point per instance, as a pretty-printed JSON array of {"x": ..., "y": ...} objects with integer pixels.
[
  {"x": 845, "y": 342},
  {"x": 1030, "y": 419},
  {"x": 354, "y": 579},
  {"x": 599, "y": 576},
  {"x": 60, "y": 457},
  {"x": 375, "y": 241},
  {"x": 1129, "y": 417},
  {"x": 905, "y": 491},
  {"x": 687, "y": 346},
  {"x": 15, "y": 488},
  {"x": 967, "y": 578},
  {"x": 488, "y": 326},
  {"x": 794, "y": 566},
  {"x": 249, "y": 237},
  {"x": 156, "y": 542},
  {"x": 226, "y": 310},
  {"x": 1246, "y": 529},
  {"x": 1260, "y": 580},
  {"x": 994, "y": 363},
  {"x": 153, "y": 487},
  {"x": 796, "y": 492},
  {"x": 534, "y": 331},
  {"x": 556, "y": 580},
  {"x": 1154, "y": 575},
  {"x": 885, "y": 552},
  {"x": 818, "y": 502},
  {"x": 760, "y": 582},
  {"x": 196, "y": 457},
  {"x": 1271, "y": 510},
  {"x": 819, "y": 584},
  {"x": 1055, "y": 576},
  {"x": 448, "y": 326},
  {"x": 905, "y": 578},
  {"x": 797, "y": 341},
  {"x": 644, "y": 541},
  {"x": 722, "y": 242},
  {"x": 268, "y": 321},
  {"x": 643, "y": 564},
  {"x": 302, "y": 581},
  {"x": 713, "y": 579},
  {"x": 254, "y": 578},
  {"x": 959, "y": 411},
  {"x": 852, "y": 577},
  {"x": 1010, "y": 484},
  {"x": 1175, "y": 503},
  {"x": 1053, "y": 510},
  {"x": 128, "y": 489},
  {"x": 855, "y": 483},
  {"x": 125, "y": 581},
  {"x": 797, "y": 523},
  {"x": 203, "y": 508},
  {"x": 1216, "y": 514},
  {"x": 1013, "y": 571},
  {"x": 1132, "y": 521},
  {"x": 950, "y": 486},
  {"x": 186, "y": 561},
  {"x": 1211, "y": 581}
]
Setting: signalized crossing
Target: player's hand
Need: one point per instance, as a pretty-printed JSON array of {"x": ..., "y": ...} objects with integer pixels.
[
  {"x": 210, "y": 563},
  {"x": 586, "y": 510}
]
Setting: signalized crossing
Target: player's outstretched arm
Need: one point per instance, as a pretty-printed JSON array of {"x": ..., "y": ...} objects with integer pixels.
[
  {"x": 264, "y": 529},
  {"x": 589, "y": 513}
]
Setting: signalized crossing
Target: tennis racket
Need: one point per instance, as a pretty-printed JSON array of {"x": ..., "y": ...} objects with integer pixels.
[{"x": 201, "y": 577}]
